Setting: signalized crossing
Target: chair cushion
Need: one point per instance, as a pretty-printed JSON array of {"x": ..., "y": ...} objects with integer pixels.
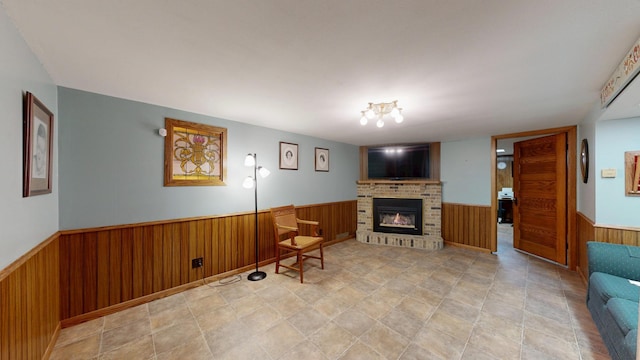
[
  {"x": 301, "y": 242},
  {"x": 625, "y": 313},
  {"x": 610, "y": 286}
]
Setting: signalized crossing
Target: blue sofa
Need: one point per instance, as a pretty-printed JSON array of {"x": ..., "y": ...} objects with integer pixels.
[{"x": 612, "y": 299}]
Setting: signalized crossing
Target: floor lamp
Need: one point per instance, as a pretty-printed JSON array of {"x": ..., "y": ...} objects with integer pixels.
[{"x": 252, "y": 182}]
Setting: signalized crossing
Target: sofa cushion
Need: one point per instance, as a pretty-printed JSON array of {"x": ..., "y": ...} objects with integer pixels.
[
  {"x": 634, "y": 251},
  {"x": 625, "y": 313},
  {"x": 616, "y": 259},
  {"x": 610, "y": 286},
  {"x": 631, "y": 343}
]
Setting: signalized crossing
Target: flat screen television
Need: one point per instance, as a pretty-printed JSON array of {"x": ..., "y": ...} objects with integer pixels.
[{"x": 398, "y": 162}]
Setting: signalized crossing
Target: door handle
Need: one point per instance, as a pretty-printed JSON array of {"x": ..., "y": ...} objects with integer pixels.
[{"x": 515, "y": 201}]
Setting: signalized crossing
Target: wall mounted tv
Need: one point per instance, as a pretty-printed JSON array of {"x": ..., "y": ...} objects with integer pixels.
[{"x": 398, "y": 162}]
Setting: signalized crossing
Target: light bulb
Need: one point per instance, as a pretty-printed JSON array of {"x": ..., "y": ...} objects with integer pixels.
[
  {"x": 370, "y": 114},
  {"x": 363, "y": 120},
  {"x": 248, "y": 183},
  {"x": 264, "y": 172},
  {"x": 394, "y": 112},
  {"x": 249, "y": 160},
  {"x": 399, "y": 118},
  {"x": 380, "y": 123}
]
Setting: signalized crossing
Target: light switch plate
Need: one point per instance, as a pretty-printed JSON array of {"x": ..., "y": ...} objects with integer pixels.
[{"x": 608, "y": 173}]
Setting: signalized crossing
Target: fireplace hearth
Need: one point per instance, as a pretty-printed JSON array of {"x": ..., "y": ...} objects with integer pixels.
[{"x": 397, "y": 216}]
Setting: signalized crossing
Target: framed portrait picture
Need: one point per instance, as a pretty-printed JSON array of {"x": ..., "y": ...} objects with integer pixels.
[
  {"x": 288, "y": 156},
  {"x": 322, "y": 159},
  {"x": 38, "y": 147},
  {"x": 194, "y": 154}
]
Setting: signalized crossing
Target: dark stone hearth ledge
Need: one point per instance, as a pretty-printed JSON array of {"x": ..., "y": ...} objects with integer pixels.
[{"x": 418, "y": 182}]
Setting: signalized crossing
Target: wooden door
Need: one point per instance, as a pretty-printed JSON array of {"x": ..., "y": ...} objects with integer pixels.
[{"x": 540, "y": 191}]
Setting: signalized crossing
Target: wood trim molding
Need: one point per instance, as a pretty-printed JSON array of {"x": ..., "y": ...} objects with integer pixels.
[
  {"x": 617, "y": 227},
  {"x": 572, "y": 151},
  {"x": 155, "y": 222},
  {"x": 179, "y": 220},
  {"x": 24, "y": 258}
]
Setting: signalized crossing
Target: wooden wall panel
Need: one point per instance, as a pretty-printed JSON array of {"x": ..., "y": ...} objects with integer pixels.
[
  {"x": 585, "y": 232},
  {"x": 617, "y": 235},
  {"x": 103, "y": 267},
  {"x": 127, "y": 264},
  {"x": 30, "y": 303},
  {"x": 138, "y": 266},
  {"x": 588, "y": 231},
  {"x": 467, "y": 225},
  {"x": 90, "y": 273}
]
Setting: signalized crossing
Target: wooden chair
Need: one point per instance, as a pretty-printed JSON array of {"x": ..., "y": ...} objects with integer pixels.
[{"x": 285, "y": 222}]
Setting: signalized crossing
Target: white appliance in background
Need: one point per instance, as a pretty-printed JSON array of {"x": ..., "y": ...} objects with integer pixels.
[{"x": 505, "y": 193}]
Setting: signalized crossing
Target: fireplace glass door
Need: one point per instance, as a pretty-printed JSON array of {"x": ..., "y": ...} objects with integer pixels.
[{"x": 399, "y": 216}]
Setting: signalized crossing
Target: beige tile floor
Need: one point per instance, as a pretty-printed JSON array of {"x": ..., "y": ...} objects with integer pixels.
[{"x": 370, "y": 302}]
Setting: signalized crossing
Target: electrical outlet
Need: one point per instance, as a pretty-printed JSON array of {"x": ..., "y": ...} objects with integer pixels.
[{"x": 196, "y": 263}]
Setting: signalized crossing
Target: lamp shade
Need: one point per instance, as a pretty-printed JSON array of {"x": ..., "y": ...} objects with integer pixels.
[
  {"x": 264, "y": 172},
  {"x": 250, "y": 160},
  {"x": 248, "y": 182}
]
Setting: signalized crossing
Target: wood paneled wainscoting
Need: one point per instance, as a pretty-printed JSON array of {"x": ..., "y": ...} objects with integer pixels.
[
  {"x": 78, "y": 275},
  {"x": 30, "y": 303},
  {"x": 467, "y": 226},
  {"x": 588, "y": 231},
  {"x": 103, "y": 270}
]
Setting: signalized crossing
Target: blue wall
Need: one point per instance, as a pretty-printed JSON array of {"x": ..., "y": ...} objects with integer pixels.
[
  {"x": 465, "y": 171},
  {"x": 613, "y": 138},
  {"x": 112, "y": 166},
  {"x": 586, "y": 193},
  {"x": 25, "y": 222}
]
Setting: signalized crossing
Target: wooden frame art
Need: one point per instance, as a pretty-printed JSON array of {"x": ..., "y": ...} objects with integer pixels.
[
  {"x": 322, "y": 159},
  {"x": 194, "y": 154},
  {"x": 38, "y": 147},
  {"x": 632, "y": 173},
  {"x": 288, "y": 156}
]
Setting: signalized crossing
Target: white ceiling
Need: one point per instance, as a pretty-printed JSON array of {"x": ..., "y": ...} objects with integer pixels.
[{"x": 459, "y": 68}]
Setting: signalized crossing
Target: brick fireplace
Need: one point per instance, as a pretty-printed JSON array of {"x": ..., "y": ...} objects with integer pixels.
[{"x": 389, "y": 223}]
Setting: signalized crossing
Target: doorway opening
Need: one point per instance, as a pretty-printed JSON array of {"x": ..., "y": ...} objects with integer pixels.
[{"x": 500, "y": 226}]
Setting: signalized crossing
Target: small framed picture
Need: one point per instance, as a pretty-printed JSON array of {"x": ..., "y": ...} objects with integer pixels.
[
  {"x": 322, "y": 159},
  {"x": 38, "y": 147},
  {"x": 288, "y": 156}
]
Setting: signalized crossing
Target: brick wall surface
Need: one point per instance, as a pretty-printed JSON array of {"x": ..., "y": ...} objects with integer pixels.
[{"x": 431, "y": 195}]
